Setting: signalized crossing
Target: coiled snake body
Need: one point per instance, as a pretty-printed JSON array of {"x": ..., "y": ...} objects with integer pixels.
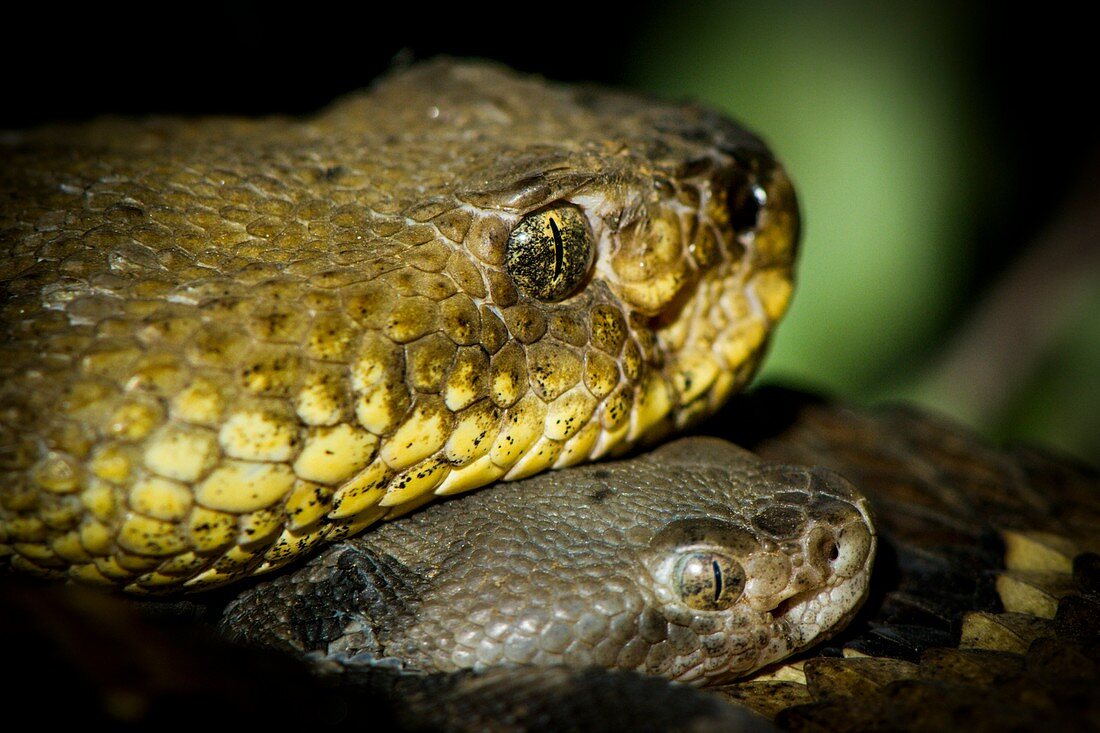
[{"x": 227, "y": 342}]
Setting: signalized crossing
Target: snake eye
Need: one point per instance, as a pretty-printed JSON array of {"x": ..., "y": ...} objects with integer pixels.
[
  {"x": 549, "y": 252},
  {"x": 745, "y": 200},
  {"x": 709, "y": 581}
]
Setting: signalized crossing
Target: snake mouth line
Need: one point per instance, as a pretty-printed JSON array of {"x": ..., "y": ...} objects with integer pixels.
[
  {"x": 787, "y": 607},
  {"x": 830, "y": 608}
]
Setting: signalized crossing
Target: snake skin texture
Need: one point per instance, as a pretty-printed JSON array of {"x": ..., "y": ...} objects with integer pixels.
[
  {"x": 590, "y": 570},
  {"x": 227, "y": 342},
  {"x": 983, "y": 612}
]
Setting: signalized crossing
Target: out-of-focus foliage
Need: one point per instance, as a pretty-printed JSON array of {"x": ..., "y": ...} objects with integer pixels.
[{"x": 879, "y": 116}]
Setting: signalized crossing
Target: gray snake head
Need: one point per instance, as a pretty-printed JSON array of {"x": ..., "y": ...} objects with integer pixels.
[{"x": 696, "y": 562}]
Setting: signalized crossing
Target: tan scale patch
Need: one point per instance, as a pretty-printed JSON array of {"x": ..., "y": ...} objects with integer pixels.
[
  {"x": 478, "y": 473},
  {"x": 773, "y": 288},
  {"x": 112, "y": 463},
  {"x": 341, "y": 528},
  {"x": 654, "y": 404},
  {"x": 609, "y": 440},
  {"x": 429, "y": 359},
  {"x": 411, "y": 318},
  {"x": 290, "y": 544},
  {"x": 35, "y": 552},
  {"x": 234, "y": 560},
  {"x": 96, "y": 537},
  {"x": 521, "y": 427},
  {"x": 134, "y": 420},
  {"x": 308, "y": 503},
  {"x": 256, "y": 435},
  {"x": 258, "y": 526},
  {"x": 182, "y": 453},
  {"x": 242, "y": 486},
  {"x": 566, "y": 415},
  {"x": 331, "y": 337},
  {"x": 331, "y": 455},
  {"x": 320, "y": 400},
  {"x": 508, "y": 375},
  {"x": 101, "y": 501},
  {"x": 414, "y": 482},
  {"x": 185, "y": 563},
  {"x": 361, "y": 492},
  {"x": 743, "y": 342},
  {"x": 538, "y": 458},
  {"x": 467, "y": 380},
  {"x": 69, "y": 548},
  {"x": 474, "y": 432},
  {"x": 211, "y": 530},
  {"x": 270, "y": 370},
  {"x": 380, "y": 407},
  {"x": 552, "y": 369},
  {"x": 422, "y": 434},
  {"x": 57, "y": 473},
  {"x": 615, "y": 411},
  {"x": 89, "y": 574},
  {"x": 161, "y": 498},
  {"x": 695, "y": 374},
  {"x": 608, "y": 328},
  {"x": 134, "y": 563},
  {"x": 722, "y": 388},
  {"x": 157, "y": 580},
  {"x": 147, "y": 536},
  {"x": 200, "y": 403},
  {"x": 62, "y": 513}
]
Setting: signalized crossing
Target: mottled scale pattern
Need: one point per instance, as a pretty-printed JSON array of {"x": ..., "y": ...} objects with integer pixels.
[
  {"x": 579, "y": 569},
  {"x": 228, "y": 341},
  {"x": 984, "y": 611}
]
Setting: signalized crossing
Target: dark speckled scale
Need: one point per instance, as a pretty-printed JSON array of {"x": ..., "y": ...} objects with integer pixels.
[{"x": 550, "y": 571}]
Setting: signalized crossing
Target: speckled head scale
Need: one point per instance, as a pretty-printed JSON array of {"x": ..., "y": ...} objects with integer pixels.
[
  {"x": 228, "y": 341},
  {"x": 695, "y": 562}
]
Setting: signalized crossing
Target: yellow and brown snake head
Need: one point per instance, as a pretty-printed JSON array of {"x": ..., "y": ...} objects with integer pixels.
[{"x": 228, "y": 341}]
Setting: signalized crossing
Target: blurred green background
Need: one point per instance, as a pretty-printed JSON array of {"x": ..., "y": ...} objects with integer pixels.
[
  {"x": 903, "y": 159},
  {"x": 946, "y": 154}
]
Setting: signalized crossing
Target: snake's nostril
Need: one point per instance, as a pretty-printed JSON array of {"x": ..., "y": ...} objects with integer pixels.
[
  {"x": 745, "y": 200},
  {"x": 850, "y": 550},
  {"x": 823, "y": 549}
]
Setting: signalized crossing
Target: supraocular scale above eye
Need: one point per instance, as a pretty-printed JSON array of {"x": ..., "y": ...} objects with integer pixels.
[{"x": 549, "y": 252}]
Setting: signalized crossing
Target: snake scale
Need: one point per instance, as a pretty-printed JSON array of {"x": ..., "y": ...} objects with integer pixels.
[
  {"x": 230, "y": 343},
  {"x": 227, "y": 341}
]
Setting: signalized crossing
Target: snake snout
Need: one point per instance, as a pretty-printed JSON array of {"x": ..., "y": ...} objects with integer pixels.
[{"x": 841, "y": 551}]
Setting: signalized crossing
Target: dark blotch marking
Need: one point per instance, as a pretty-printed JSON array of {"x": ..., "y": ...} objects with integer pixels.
[
  {"x": 780, "y": 521},
  {"x": 600, "y": 494}
]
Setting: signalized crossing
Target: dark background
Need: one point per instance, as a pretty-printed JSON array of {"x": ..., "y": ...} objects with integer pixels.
[{"x": 1029, "y": 75}]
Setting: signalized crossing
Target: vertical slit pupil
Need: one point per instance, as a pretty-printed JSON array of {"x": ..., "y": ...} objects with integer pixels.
[
  {"x": 717, "y": 579},
  {"x": 559, "y": 248}
]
